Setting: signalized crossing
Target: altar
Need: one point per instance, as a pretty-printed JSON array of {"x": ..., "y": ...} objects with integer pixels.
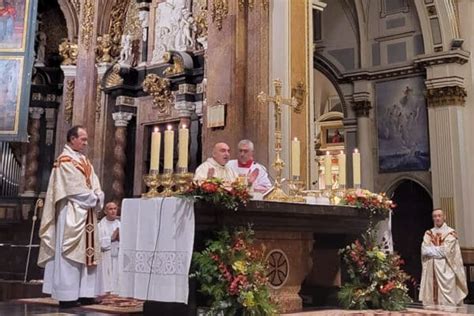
[{"x": 299, "y": 241}]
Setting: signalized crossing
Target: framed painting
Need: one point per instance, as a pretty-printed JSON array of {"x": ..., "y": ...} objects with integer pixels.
[
  {"x": 402, "y": 125},
  {"x": 332, "y": 135},
  {"x": 10, "y": 93},
  {"x": 14, "y": 20}
]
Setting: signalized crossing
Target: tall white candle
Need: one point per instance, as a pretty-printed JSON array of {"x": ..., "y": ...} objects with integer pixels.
[
  {"x": 341, "y": 160},
  {"x": 295, "y": 157},
  {"x": 356, "y": 167},
  {"x": 155, "y": 149},
  {"x": 169, "y": 148},
  {"x": 328, "y": 169},
  {"x": 183, "y": 138}
]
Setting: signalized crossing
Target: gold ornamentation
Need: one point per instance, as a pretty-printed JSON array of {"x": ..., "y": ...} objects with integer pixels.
[
  {"x": 265, "y": 4},
  {"x": 159, "y": 88},
  {"x": 98, "y": 102},
  {"x": 277, "y": 193},
  {"x": 69, "y": 100},
  {"x": 299, "y": 93},
  {"x": 132, "y": 21},
  {"x": 104, "y": 46},
  {"x": 200, "y": 14},
  {"x": 118, "y": 16},
  {"x": 362, "y": 108},
  {"x": 87, "y": 24},
  {"x": 77, "y": 6},
  {"x": 68, "y": 51},
  {"x": 246, "y": 3},
  {"x": 176, "y": 68},
  {"x": 113, "y": 78},
  {"x": 447, "y": 96},
  {"x": 219, "y": 11}
]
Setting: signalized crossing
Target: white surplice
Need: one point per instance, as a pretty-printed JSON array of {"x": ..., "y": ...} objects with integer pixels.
[
  {"x": 224, "y": 173},
  {"x": 261, "y": 183},
  {"x": 107, "y": 270},
  {"x": 62, "y": 231},
  {"x": 443, "y": 280}
]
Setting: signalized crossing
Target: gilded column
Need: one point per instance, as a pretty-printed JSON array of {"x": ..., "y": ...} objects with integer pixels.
[
  {"x": 121, "y": 120},
  {"x": 31, "y": 175},
  {"x": 364, "y": 142}
]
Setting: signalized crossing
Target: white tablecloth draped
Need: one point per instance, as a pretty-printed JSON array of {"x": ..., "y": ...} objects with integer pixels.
[{"x": 156, "y": 245}]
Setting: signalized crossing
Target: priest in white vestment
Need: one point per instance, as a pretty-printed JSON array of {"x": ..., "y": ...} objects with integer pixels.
[
  {"x": 215, "y": 167},
  {"x": 69, "y": 248},
  {"x": 109, "y": 234},
  {"x": 443, "y": 280},
  {"x": 246, "y": 167}
]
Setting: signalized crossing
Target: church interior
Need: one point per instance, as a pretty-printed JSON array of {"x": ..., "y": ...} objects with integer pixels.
[{"x": 336, "y": 96}]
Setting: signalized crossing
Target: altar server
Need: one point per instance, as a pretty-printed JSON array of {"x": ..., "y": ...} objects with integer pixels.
[{"x": 215, "y": 167}]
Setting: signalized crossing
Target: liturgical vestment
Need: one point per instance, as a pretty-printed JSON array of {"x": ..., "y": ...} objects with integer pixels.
[
  {"x": 70, "y": 248},
  {"x": 221, "y": 172},
  {"x": 443, "y": 280},
  {"x": 107, "y": 269}
]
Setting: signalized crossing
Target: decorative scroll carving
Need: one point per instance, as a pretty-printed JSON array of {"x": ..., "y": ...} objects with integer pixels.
[
  {"x": 98, "y": 102},
  {"x": 159, "y": 88},
  {"x": 299, "y": 93},
  {"x": 447, "y": 96},
  {"x": 362, "y": 108},
  {"x": 113, "y": 77},
  {"x": 77, "y": 6},
  {"x": 87, "y": 24},
  {"x": 68, "y": 51},
  {"x": 104, "y": 47},
  {"x": 176, "y": 68},
  {"x": 117, "y": 25},
  {"x": 33, "y": 149},
  {"x": 219, "y": 11},
  {"x": 120, "y": 159},
  {"x": 200, "y": 16},
  {"x": 69, "y": 100}
]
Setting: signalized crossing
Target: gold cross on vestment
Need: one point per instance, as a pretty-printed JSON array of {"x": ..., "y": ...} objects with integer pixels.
[{"x": 276, "y": 193}]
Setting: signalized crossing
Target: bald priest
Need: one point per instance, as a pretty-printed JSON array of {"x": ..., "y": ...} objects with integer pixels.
[{"x": 216, "y": 166}]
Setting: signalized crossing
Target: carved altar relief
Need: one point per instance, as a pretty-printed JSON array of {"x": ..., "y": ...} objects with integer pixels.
[{"x": 175, "y": 28}]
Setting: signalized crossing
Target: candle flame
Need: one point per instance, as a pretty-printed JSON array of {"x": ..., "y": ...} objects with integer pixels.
[
  {"x": 328, "y": 153},
  {"x": 356, "y": 151},
  {"x": 184, "y": 126},
  {"x": 342, "y": 152},
  {"x": 156, "y": 130},
  {"x": 295, "y": 139},
  {"x": 170, "y": 127}
]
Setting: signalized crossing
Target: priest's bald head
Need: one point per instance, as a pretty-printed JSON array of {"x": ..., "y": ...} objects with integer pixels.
[
  {"x": 77, "y": 138},
  {"x": 221, "y": 153},
  {"x": 438, "y": 217}
]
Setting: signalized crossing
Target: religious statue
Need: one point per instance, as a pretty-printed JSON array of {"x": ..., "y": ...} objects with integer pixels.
[
  {"x": 68, "y": 51},
  {"x": 186, "y": 29},
  {"x": 104, "y": 46},
  {"x": 41, "y": 51},
  {"x": 126, "y": 51}
]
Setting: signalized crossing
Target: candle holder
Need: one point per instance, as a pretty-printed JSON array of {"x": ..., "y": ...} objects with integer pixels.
[
  {"x": 337, "y": 195},
  {"x": 183, "y": 182},
  {"x": 167, "y": 180},
  {"x": 296, "y": 187},
  {"x": 152, "y": 180}
]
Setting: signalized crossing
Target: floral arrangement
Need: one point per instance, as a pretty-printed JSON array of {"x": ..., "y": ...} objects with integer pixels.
[
  {"x": 376, "y": 278},
  {"x": 217, "y": 192},
  {"x": 232, "y": 272},
  {"x": 377, "y": 204}
]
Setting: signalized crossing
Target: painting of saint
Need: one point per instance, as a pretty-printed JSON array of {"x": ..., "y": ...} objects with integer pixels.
[
  {"x": 402, "y": 124},
  {"x": 13, "y": 19},
  {"x": 10, "y": 84}
]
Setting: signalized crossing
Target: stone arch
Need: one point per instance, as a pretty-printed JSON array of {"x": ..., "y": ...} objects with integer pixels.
[
  {"x": 72, "y": 18},
  {"x": 391, "y": 186}
]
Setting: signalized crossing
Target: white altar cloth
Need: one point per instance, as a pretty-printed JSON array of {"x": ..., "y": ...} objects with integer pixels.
[{"x": 156, "y": 245}]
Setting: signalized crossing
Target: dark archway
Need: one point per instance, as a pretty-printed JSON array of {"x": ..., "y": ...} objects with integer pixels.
[{"x": 412, "y": 217}]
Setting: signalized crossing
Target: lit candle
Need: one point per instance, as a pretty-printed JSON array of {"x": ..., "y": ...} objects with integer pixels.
[
  {"x": 356, "y": 167},
  {"x": 295, "y": 157},
  {"x": 341, "y": 160},
  {"x": 183, "y": 138},
  {"x": 155, "y": 149},
  {"x": 169, "y": 148},
  {"x": 328, "y": 170}
]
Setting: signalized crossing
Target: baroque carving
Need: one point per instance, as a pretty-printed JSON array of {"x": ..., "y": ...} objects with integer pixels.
[
  {"x": 69, "y": 100},
  {"x": 98, "y": 102},
  {"x": 120, "y": 159},
  {"x": 87, "y": 24},
  {"x": 299, "y": 93},
  {"x": 68, "y": 51},
  {"x": 159, "y": 89},
  {"x": 117, "y": 25},
  {"x": 176, "y": 68},
  {"x": 113, "y": 77},
  {"x": 446, "y": 96},
  {"x": 32, "y": 155},
  {"x": 362, "y": 108},
  {"x": 200, "y": 16},
  {"x": 219, "y": 11},
  {"x": 104, "y": 47},
  {"x": 77, "y": 6}
]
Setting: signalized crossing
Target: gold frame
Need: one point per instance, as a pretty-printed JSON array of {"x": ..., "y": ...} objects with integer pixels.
[
  {"x": 26, "y": 25},
  {"x": 18, "y": 95},
  {"x": 324, "y": 128}
]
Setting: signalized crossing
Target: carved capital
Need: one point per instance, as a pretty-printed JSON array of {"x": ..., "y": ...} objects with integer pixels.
[
  {"x": 122, "y": 119},
  {"x": 362, "y": 108},
  {"x": 35, "y": 113},
  {"x": 446, "y": 96},
  {"x": 159, "y": 88}
]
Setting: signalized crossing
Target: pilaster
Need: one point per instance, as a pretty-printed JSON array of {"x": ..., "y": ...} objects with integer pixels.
[{"x": 32, "y": 155}]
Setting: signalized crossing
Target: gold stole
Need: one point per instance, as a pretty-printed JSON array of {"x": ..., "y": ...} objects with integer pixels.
[{"x": 85, "y": 167}]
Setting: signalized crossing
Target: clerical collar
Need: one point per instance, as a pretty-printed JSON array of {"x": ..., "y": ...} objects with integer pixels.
[{"x": 247, "y": 165}]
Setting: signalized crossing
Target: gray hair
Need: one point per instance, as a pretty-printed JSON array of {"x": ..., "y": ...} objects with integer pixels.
[{"x": 246, "y": 142}]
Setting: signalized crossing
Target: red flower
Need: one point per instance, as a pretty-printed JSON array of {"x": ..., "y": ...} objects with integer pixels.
[
  {"x": 209, "y": 187},
  {"x": 387, "y": 287}
]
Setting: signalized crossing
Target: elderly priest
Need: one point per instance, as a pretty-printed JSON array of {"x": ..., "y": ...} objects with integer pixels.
[
  {"x": 70, "y": 247},
  {"x": 216, "y": 166},
  {"x": 443, "y": 281}
]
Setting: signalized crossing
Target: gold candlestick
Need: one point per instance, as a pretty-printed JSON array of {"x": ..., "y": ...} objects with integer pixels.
[
  {"x": 277, "y": 193},
  {"x": 152, "y": 181},
  {"x": 183, "y": 182},
  {"x": 167, "y": 180},
  {"x": 296, "y": 190}
]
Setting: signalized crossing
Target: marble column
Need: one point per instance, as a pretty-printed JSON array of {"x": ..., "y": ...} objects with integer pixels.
[
  {"x": 364, "y": 142},
  {"x": 32, "y": 155},
  {"x": 121, "y": 120}
]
